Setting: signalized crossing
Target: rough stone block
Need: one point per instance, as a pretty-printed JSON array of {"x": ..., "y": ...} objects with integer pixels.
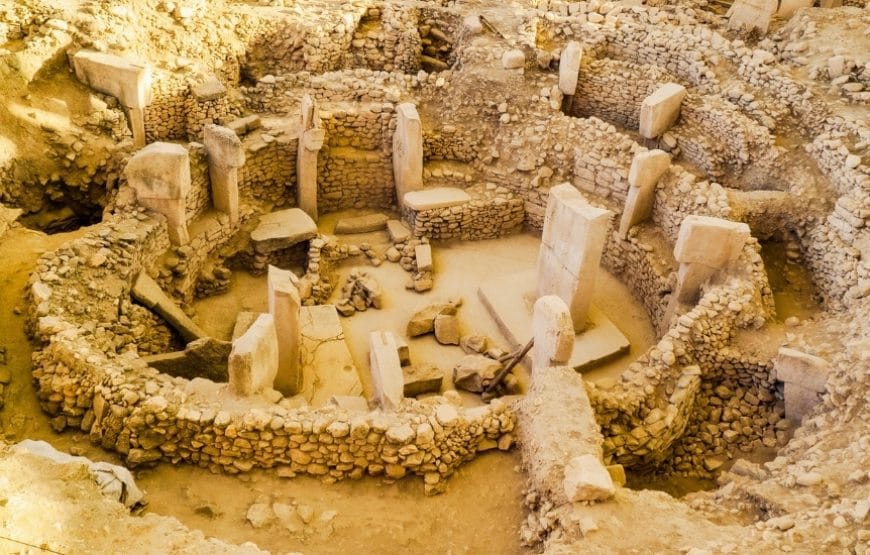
[
  {"x": 388, "y": 380},
  {"x": 754, "y": 14},
  {"x": 805, "y": 370},
  {"x": 513, "y": 59},
  {"x": 282, "y": 229},
  {"x": 422, "y": 379},
  {"x": 713, "y": 242},
  {"x": 361, "y": 224},
  {"x": 660, "y": 110},
  {"x": 553, "y": 332},
  {"x": 407, "y": 150},
  {"x": 253, "y": 362},
  {"x": 586, "y": 479},
  {"x": 423, "y": 255}
]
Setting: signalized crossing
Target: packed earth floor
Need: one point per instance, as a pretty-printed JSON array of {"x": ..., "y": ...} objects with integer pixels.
[{"x": 434, "y": 276}]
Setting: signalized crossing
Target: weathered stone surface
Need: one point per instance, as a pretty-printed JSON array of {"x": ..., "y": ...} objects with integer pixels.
[
  {"x": 282, "y": 229},
  {"x": 146, "y": 291},
  {"x": 474, "y": 372},
  {"x": 513, "y": 59},
  {"x": 660, "y": 110},
  {"x": 446, "y": 328},
  {"x": 423, "y": 321},
  {"x": 398, "y": 230},
  {"x": 553, "y": 332},
  {"x": 423, "y": 255},
  {"x": 253, "y": 361},
  {"x": 803, "y": 369},
  {"x": 284, "y": 305},
  {"x": 127, "y": 80},
  {"x": 420, "y": 379},
  {"x": 710, "y": 241},
  {"x": 387, "y": 377},
  {"x": 586, "y": 479},
  {"x": 435, "y": 197},
  {"x": 361, "y": 224},
  {"x": 201, "y": 358}
]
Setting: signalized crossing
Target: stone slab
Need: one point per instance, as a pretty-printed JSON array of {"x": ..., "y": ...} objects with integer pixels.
[
  {"x": 127, "y": 80},
  {"x": 253, "y": 361},
  {"x": 361, "y": 224},
  {"x": 660, "y": 110},
  {"x": 203, "y": 358},
  {"x": 398, "y": 230},
  {"x": 806, "y": 370},
  {"x": 328, "y": 369},
  {"x": 510, "y": 300},
  {"x": 282, "y": 229},
  {"x": 710, "y": 241},
  {"x": 149, "y": 293},
  {"x": 386, "y": 370},
  {"x": 436, "y": 197}
]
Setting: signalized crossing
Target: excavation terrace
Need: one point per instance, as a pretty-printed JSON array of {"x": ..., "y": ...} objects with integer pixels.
[{"x": 596, "y": 272}]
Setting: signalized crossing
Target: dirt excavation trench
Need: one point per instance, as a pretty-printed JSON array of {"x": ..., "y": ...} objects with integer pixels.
[{"x": 434, "y": 276}]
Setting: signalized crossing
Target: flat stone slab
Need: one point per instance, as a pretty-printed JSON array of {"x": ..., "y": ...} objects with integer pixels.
[
  {"x": 147, "y": 292},
  {"x": 282, "y": 229},
  {"x": 361, "y": 224},
  {"x": 326, "y": 359},
  {"x": 510, "y": 299},
  {"x": 436, "y": 197}
]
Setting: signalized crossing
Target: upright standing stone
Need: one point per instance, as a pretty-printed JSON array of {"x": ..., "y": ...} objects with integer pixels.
[
  {"x": 704, "y": 246},
  {"x": 553, "y": 332},
  {"x": 311, "y": 139},
  {"x": 569, "y": 67},
  {"x": 754, "y": 14},
  {"x": 805, "y": 380},
  {"x": 253, "y": 362},
  {"x": 660, "y": 110},
  {"x": 646, "y": 170},
  {"x": 284, "y": 306},
  {"x": 407, "y": 150},
  {"x": 388, "y": 380},
  {"x": 160, "y": 175},
  {"x": 225, "y": 157},
  {"x": 571, "y": 248},
  {"x": 128, "y": 81}
]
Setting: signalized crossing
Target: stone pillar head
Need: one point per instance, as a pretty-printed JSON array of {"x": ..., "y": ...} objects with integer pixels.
[{"x": 160, "y": 175}]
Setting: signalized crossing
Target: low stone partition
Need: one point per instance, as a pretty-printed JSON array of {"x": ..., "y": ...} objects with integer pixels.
[
  {"x": 488, "y": 213},
  {"x": 148, "y": 416}
]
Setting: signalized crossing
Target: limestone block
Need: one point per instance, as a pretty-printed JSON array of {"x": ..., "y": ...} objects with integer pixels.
[
  {"x": 422, "y": 379},
  {"x": 361, "y": 224},
  {"x": 407, "y": 150},
  {"x": 586, "y": 479},
  {"x": 690, "y": 277},
  {"x": 388, "y": 380},
  {"x": 660, "y": 110},
  {"x": 225, "y": 156},
  {"x": 754, "y": 14},
  {"x": 253, "y": 362},
  {"x": 423, "y": 254},
  {"x": 127, "y": 80},
  {"x": 787, "y": 8},
  {"x": 436, "y": 197},
  {"x": 808, "y": 371},
  {"x": 399, "y": 232},
  {"x": 553, "y": 331},
  {"x": 446, "y": 329},
  {"x": 571, "y": 247},
  {"x": 713, "y": 242},
  {"x": 799, "y": 401},
  {"x": 284, "y": 305},
  {"x": 513, "y": 59},
  {"x": 149, "y": 294},
  {"x": 160, "y": 171},
  {"x": 643, "y": 176},
  {"x": 282, "y": 229},
  {"x": 569, "y": 67}
]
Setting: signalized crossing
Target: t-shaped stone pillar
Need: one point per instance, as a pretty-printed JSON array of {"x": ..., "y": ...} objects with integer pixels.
[
  {"x": 553, "y": 332},
  {"x": 407, "y": 151},
  {"x": 225, "y": 156},
  {"x": 660, "y": 110},
  {"x": 571, "y": 248},
  {"x": 284, "y": 306},
  {"x": 704, "y": 246},
  {"x": 253, "y": 361},
  {"x": 569, "y": 67},
  {"x": 128, "y": 81},
  {"x": 160, "y": 175},
  {"x": 643, "y": 176},
  {"x": 388, "y": 380},
  {"x": 311, "y": 139}
]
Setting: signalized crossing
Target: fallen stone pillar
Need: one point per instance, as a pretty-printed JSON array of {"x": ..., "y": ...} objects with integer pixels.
[
  {"x": 388, "y": 380},
  {"x": 704, "y": 246},
  {"x": 225, "y": 157},
  {"x": 407, "y": 151},
  {"x": 253, "y": 362},
  {"x": 660, "y": 110},
  {"x": 311, "y": 139},
  {"x": 160, "y": 175},
  {"x": 128, "y": 81},
  {"x": 571, "y": 248},
  {"x": 284, "y": 306},
  {"x": 569, "y": 67},
  {"x": 151, "y": 295},
  {"x": 804, "y": 377},
  {"x": 643, "y": 176},
  {"x": 553, "y": 332}
]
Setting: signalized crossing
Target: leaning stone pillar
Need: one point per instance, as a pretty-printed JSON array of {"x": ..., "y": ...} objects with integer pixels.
[
  {"x": 571, "y": 249},
  {"x": 569, "y": 67},
  {"x": 407, "y": 151},
  {"x": 660, "y": 110},
  {"x": 311, "y": 139},
  {"x": 643, "y": 176},
  {"x": 225, "y": 156},
  {"x": 284, "y": 306},
  {"x": 160, "y": 175}
]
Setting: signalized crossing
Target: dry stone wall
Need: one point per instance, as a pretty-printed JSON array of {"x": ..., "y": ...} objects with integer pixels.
[{"x": 492, "y": 212}]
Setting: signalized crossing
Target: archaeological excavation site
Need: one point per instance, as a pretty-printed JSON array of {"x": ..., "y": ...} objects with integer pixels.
[{"x": 435, "y": 276}]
